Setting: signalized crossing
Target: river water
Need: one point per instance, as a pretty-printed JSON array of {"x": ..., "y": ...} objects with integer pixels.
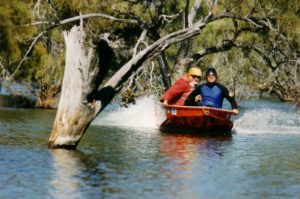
[{"x": 124, "y": 155}]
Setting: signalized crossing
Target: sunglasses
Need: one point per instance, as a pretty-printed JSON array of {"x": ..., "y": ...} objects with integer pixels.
[{"x": 195, "y": 76}]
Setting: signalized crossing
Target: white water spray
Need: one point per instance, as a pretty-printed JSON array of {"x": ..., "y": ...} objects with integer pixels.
[
  {"x": 257, "y": 117},
  {"x": 268, "y": 121},
  {"x": 145, "y": 113}
]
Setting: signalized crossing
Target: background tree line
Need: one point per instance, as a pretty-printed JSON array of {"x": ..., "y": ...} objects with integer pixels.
[{"x": 256, "y": 55}]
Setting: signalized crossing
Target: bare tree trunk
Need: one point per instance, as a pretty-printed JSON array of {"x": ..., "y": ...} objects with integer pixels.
[{"x": 73, "y": 115}]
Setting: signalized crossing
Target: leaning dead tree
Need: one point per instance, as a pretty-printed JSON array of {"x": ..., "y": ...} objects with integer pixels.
[{"x": 82, "y": 99}]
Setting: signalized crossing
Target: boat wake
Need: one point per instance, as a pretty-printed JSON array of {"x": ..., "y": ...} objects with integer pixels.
[
  {"x": 142, "y": 114},
  {"x": 256, "y": 117},
  {"x": 268, "y": 121}
]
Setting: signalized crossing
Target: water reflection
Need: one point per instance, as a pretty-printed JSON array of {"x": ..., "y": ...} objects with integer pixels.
[
  {"x": 75, "y": 175},
  {"x": 66, "y": 167},
  {"x": 192, "y": 160},
  {"x": 182, "y": 148},
  {"x": 186, "y": 148}
]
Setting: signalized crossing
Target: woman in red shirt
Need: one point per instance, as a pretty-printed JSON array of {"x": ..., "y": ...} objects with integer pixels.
[{"x": 180, "y": 90}]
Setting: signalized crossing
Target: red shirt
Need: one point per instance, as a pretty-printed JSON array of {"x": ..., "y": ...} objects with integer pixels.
[{"x": 178, "y": 92}]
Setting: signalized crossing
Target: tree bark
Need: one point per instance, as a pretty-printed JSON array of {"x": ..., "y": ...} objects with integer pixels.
[{"x": 72, "y": 116}]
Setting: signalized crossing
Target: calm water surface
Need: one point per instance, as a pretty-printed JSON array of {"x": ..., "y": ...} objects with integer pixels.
[{"x": 260, "y": 160}]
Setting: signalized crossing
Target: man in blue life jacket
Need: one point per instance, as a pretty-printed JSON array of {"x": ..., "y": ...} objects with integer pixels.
[{"x": 211, "y": 93}]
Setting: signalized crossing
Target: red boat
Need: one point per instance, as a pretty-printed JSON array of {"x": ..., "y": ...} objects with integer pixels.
[{"x": 197, "y": 119}]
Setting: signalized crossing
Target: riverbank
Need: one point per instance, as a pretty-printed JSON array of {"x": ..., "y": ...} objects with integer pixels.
[
  {"x": 15, "y": 94},
  {"x": 26, "y": 95},
  {"x": 17, "y": 101}
]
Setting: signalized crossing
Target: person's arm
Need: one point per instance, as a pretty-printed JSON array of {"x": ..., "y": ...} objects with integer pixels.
[
  {"x": 231, "y": 99},
  {"x": 190, "y": 100},
  {"x": 174, "y": 91}
]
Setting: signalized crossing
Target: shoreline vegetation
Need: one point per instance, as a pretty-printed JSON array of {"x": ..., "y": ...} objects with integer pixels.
[
  {"x": 17, "y": 95},
  {"x": 249, "y": 42}
]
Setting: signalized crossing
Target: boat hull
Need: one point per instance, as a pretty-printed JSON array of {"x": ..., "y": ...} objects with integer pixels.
[{"x": 197, "y": 119}]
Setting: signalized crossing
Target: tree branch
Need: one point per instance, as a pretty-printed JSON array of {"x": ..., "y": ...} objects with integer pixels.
[
  {"x": 160, "y": 45},
  {"x": 92, "y": 15},
  {"x": 5, "y": 72},
  {"x": 226, "y": 46},
  {"x": 62, "y": 22},
  {"x": 26, "y": 54},
  {"x": 151, "y": 51},
  {"x": 140, "y": 41},
  {"x": 193, "y": 12}
]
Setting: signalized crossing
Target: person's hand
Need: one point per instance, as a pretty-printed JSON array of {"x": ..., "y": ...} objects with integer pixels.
[
  {"x": 235, "y": 111},
  {"x": 198, "y": 98},
  {"x": 165, "y": 102}
]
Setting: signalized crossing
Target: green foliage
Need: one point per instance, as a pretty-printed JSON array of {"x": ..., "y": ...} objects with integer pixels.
[
  {"x": 46, "y": 60},
  {"x": 12, "y": 35}
]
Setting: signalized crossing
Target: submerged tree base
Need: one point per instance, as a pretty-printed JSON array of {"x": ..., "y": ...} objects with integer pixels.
[{"x": 52, "y": 145}]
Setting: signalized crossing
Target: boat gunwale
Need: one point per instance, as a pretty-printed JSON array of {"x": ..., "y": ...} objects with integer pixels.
[{"x": 199, "y": 108}]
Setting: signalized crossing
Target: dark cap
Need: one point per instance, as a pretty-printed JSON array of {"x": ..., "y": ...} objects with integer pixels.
[{"x": 211, "y": 71}]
